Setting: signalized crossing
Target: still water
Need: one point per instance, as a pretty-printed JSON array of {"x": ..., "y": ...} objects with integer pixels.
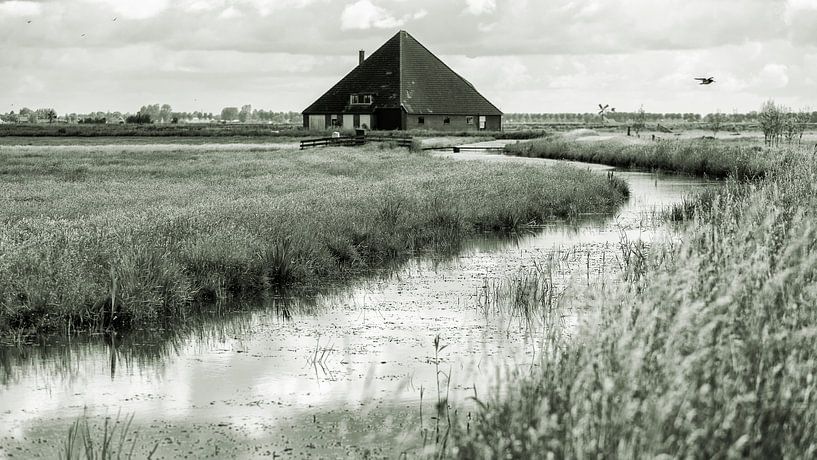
[{"x": 337, "y": 374}]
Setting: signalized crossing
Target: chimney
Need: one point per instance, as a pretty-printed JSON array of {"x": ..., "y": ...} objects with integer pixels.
[{"x": 361, "y": 56}]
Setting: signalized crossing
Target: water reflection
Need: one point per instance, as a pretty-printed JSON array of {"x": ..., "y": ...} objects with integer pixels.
[
  {"x": 63, "y": 358},
  {"x": 60, "y": 357}
]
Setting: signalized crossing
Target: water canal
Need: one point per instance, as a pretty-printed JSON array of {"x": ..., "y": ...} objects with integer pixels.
[{"x": 338, "y": 374}]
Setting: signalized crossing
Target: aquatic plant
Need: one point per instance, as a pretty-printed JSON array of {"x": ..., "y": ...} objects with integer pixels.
[{"x": 117, "y": 440}]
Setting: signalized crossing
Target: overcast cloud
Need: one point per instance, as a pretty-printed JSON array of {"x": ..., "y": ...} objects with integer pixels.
[{"x": 524, "y": 55}]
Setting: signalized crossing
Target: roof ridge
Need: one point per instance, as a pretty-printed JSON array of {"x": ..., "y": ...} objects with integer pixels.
[
  {"x": 403, "y": 73},
  {"x": 405, "y": 34}
]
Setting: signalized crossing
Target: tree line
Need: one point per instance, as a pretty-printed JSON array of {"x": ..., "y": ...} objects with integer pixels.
[
  {"x": 777, "y": 122},
  {"x": 780, "y": 123},
  {"x": 629, "y": 117},
  {"x": 154, "y": 113},
  {"x": 164, "y": 113}
]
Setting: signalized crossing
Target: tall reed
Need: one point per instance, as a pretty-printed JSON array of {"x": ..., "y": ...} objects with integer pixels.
[
  {"x": 709, "y": 352},
  {"x": 695, "y": 157},
  {"x": 141, "y": 236}
]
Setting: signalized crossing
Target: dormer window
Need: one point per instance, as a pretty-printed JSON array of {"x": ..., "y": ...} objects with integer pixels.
[{"x": 360, "y": 99}]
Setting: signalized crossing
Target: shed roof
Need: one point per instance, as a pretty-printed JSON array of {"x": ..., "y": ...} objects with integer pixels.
[{"x": 404, "y": 73}]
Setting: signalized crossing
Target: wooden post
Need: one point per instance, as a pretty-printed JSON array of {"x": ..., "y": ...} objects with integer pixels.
[{"x": 628, "y": 130}]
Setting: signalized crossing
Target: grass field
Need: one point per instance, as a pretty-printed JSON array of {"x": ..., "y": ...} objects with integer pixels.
[
  {"x": 707, "y": 351},
  {"x": 100, "y": 237},
  {"x": 711, "y": 158},
  {"x": 22, "y": 133}
]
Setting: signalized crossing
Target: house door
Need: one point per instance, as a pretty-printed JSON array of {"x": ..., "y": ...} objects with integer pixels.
[
  {"x": 482, "y": 122},
  {"x": 366, "y": 121},
  {"x": 317, "y": 122}
]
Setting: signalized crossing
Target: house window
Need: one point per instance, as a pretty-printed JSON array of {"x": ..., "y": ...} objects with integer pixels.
[
  {"x": 421, "y": 120},
  {"x": 360, "y": 99},
  {"x": 335, "y": 120},
  {"x": 447, "y": 121},
  {"x": 469, "y": 120}
]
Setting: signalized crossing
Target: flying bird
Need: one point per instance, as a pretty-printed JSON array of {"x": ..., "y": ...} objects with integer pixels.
[
  {"x": 706, "y": 81},
  {"x": 28, "y": 22},
  {"x": 114, "y": 19}
]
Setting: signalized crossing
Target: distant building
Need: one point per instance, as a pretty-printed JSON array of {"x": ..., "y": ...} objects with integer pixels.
[{"x": 404, "y": 86}]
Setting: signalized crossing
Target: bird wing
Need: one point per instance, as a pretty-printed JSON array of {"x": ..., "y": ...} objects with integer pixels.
[
  {"x": 602, "y": 108},
  {"x": 701, "y": 79}
]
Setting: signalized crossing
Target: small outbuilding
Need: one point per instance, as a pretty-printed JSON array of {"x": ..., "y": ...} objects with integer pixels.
[{"x": 403, "y": 86}]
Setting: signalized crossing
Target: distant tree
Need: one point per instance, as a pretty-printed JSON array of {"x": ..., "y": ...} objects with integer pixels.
[
  {"x": 93, "y": 119},
  {"x": 151, "y": 111},
  {"x": 639, "y": 121},
  {"x": 789, "y": 119},
  {"x": 802, "y": 120},
  {"x": 715, "y": 121},
  {"x": 771, "y": 122},
  {"x": 245, "y": 114},
  {"x": 47, "y": 114},
  {"x": 165, "y": 113},
  {"x": 139, "y": 118},
  {"x": 229, "y": 113}
]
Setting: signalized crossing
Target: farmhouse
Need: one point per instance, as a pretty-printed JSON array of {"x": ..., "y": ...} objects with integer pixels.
[{"x": 404, "y": 86}]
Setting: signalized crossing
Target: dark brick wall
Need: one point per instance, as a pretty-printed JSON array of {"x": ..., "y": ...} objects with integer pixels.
[
  {"x": 431, "y": 122},
  {"x": 456, "y": 122}
]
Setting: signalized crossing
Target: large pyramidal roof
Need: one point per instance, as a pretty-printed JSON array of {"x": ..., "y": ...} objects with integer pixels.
[{"x": 404, "y": 73}]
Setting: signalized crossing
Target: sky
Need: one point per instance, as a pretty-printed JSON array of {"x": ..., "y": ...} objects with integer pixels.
[{"x": 523, "y": 55}]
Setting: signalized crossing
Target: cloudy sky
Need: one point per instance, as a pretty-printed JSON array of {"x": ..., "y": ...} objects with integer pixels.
[{"x": 524, "y": 55}]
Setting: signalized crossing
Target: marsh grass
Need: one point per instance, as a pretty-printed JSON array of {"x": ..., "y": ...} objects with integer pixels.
[
  {"x": 707, "y": 352},
  {"x": 103, "y": 238},
  {"x": 117, "y": 441},
  {"x": 695, "y": 157}
]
